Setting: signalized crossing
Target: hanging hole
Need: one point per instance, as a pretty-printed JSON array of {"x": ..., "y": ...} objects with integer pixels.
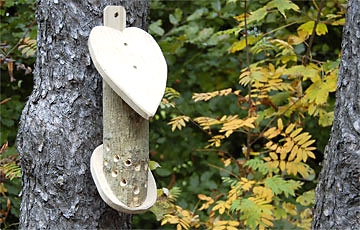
[
  {"x": 136, "y": 190},
  {"x": 116, "y": 14},
  {"x": 127, "y": 162},
  {"x": 114, "y": 173},
  {"x": 137, "y": 167},
  {"x": 123, "y": 182},
  {"x": 116, "y": 158}
]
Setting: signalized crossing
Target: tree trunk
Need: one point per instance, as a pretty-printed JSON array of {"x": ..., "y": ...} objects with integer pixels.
[
  {"x": 337, "y": 204},
  {"x": 61, "y": 124}
]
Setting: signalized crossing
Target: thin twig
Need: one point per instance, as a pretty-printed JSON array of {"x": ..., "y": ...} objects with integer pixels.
[
  {"x": 307, "y": 57},
  {"x": 248, "y": 134},
  {"x": 225, "y": 170}
]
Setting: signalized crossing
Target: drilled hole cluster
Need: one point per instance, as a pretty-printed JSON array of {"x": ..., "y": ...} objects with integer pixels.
[{"x": 128, "y": 164}]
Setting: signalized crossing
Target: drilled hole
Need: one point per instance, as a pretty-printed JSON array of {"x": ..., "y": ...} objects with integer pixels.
[
  {"x": 135, "y": 67},
  {"x": 123, "y": 182},
  {"x": 116, "y": 14},
  {"x": 116, "y": 158},
  {"x": 114, "y": 173},
  {"x": 127, "y": 162},
  {"x": 136, "y": 190},
  {"x": 125, "y": 44},
  {"x": 138, "y": 167}
]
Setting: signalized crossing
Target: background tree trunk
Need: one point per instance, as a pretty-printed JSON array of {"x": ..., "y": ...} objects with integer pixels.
[
  {"x": 61, "y": 123},
  {"x": 338, "y": 190}
]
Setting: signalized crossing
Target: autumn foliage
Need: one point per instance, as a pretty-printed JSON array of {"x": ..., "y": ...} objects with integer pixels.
[{"x": 276, "y": 91}]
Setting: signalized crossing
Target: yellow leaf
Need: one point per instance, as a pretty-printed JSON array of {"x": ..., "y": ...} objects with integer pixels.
[
  {"x": 271, "y": 145},
  {"x": 300, "y": 138},
  {"x": 310, "y": 154},
  {"x": 272, "y": 132},
  {"x": 215, "y": 141},
  {"x": 178, "y": 227},
  {"x": 240, "y": 45},
  {"x": 282, "y": 165},
  {"x": 267, "y": 159},
  {"x": 290, "y": 208},
  {"x": 298, "y": 156},
  {"x": 266, "y": 222},
  {"x": 225, "y": 92},
  {"x": 288, "y": 145},
  {"x": 273, "y": 155},
  {"x": 280, "y": 124},
  {"x": 273, "y": 164},
  {"x": 208, "y": 202},
  {"x": 303, "y": 155},
  {"x": 340, "y": 22},
  {"x": 306, "y": 144},
  {"x": 231, "y": 228},
  {"x": 326, "y": 119},
  {"x": 246, "y": 184},
  {"x": 221, "y": 227},
  {"x": 296, "y": 132},
  {"x": 317, "y": 92},
  {"x": 321, "y": 29},
  {"x": 227, "y": 162},
  {"x": 293, "y": 153},
  {"x": 263, "y": 192},
  {"x": 206, "y": 122},
  {"x": 307, "y": 27},
  {"x": 220, "y": 206},
  {"x": 178, "y": 122},
  {"x": 233, "y": 223}
]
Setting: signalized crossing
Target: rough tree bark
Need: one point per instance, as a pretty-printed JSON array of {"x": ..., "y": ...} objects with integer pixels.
[
  {"x": 61, "y": 123},
  {"x": 337, "y": 203}
]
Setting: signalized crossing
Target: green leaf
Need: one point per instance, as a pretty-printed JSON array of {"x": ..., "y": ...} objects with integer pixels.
[
  {"x": 155, "y": 28},
  {"x": 258, "y": 14},
  {"x": 178, "y": 14},
  {"x": 258, "y": 165},
  {"x": 307, "y": 198},
  {"x": 326, "y": 119},
  {"x": 163, "y": 172},
  {"x": 173, "y": 20},
  {"x": 283, "y": 5},
  {"x": 308, "y": 72},
  {"x": 154, "y": 165},
  {"x": 197, "y": 14},
  {"x": 278, "y": 185}
]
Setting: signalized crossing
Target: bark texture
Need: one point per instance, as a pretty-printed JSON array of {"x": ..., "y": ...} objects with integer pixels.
[
  {"x": 61, "y": 123},
  {"x": 337, "y": 204}
]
